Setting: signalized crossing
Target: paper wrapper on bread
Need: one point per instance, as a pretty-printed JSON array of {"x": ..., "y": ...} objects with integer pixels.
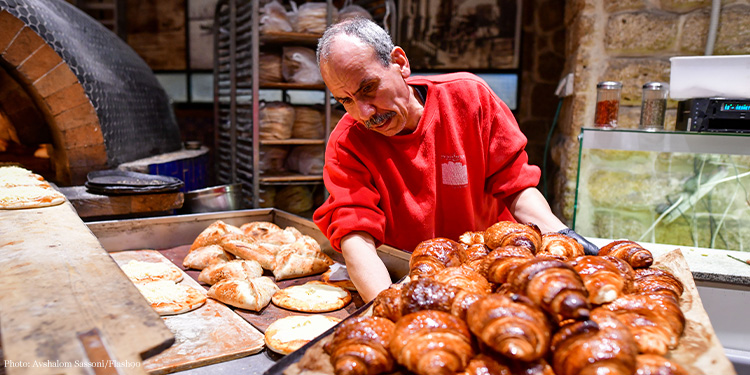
[
  {"x": 307, "y": 160},
  {"x": 273, "y": 18},
  {"x": 299, "y": 65},
  {"x": 308, "y": 122},
  {"x": 311, "y": 17},
  {"x": 273, "y": 158},
  {"x": 250, "y": 294},
  {"x": 276, "y": 120},
  {"x": 270, "y": 67},
  {"x": 294, "y": 198}
]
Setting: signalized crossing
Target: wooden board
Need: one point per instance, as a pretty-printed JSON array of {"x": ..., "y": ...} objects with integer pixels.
[
  {"x": 57, "y": 283},
  {"x": 210, "y": 334},
  {"x": 261, "y": 320}
]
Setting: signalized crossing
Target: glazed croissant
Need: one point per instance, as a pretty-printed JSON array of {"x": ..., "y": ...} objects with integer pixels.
[
  {"x": 484, "y": 364},
  {"x": 360, "y": 346},
  {"x": 603, "y": 280},
  {"x": 629, "y": 251},
  {"x": 655, "y": 320},
  {"x": 654, "y": 280},
  {"x": 602, "y": 345},
  {"x": 423, "y": 294},
  {"x": 499, "y": 262},
  {"x": 432, "y": 343},
  {"x": 433, "y": 255},
  {"x": 475, "y": 255},
  {"x": 652, "y": 364},
  {"x": 559, "y": 245},
  {"x": 508, "y": 233},
  {"x": 472, "y": 238},
  {"x": 464, "y": 278},
  {"x": 512, "y": 326},
  {"x": 553, "y": 285}
]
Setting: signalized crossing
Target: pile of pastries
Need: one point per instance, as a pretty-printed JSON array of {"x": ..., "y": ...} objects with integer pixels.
[
  {"x": 510, "y": 300},
  {"x": 233, "y": 259}
]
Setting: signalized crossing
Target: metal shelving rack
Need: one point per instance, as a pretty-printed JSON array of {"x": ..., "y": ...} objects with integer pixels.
[{"x": 237, "y": 43}]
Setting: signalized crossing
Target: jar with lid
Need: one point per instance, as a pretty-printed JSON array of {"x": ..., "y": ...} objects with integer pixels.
[
  {"x": 653, "y": 106},
  {"x": 607, "y": 104}
]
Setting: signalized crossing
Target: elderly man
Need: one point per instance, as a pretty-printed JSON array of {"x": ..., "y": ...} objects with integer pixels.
[{"x": 415, "y": 158}]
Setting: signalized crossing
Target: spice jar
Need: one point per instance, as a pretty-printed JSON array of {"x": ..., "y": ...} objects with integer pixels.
[
  {"x": 653, "y": 106},
  {"x": 607, "y": 104}
]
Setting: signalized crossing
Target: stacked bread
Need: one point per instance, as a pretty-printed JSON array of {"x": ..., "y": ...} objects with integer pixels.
[
  {"x": 509, "y": 300},
  {"x": 233, "y": 259}
]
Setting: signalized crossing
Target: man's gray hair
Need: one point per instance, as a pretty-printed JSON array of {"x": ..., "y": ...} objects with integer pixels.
[{"x": 363, "y": 29}]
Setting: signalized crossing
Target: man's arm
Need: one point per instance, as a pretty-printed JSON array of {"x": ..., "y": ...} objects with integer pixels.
[
  {"x": 529, "y": 206},
  {"x": 365, "y": 268}
]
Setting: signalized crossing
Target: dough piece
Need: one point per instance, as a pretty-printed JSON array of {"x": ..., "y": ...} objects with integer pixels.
[
  {"x": 214, "y": 233},
  {"x": 291, "y": 333},
  {"x": 169, "y": 298},
  {"x": 314, "y": 296},
  {"x": 205, "y": 256},
  {"x": 140, "y": 271},
  {"x": 236, "y": 269},
  {"x": 253, "y": 294}
]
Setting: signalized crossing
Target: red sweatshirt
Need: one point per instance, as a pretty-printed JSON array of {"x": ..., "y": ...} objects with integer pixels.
[{"x": 447, "y": 177}]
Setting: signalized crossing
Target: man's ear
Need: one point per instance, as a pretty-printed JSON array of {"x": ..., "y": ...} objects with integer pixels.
[{"x": 398, "y": 57}]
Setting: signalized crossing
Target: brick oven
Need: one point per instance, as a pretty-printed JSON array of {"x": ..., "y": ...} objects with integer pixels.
[{"x": 73, "y": 96}]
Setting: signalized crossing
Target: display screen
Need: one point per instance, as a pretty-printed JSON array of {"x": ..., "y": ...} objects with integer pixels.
[{"x": 735, "y": 107}]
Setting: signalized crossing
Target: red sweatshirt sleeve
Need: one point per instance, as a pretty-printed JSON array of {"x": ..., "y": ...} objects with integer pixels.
[{"x": 353, "y": 202}]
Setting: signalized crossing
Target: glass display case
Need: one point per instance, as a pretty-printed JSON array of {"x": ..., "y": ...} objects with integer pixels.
[{"x": 678, "y": 188}]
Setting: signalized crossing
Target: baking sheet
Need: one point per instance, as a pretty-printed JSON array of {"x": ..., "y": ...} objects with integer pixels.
[
  {"x": 699, "y": 350},
  {"x": 209, "y": 334}
]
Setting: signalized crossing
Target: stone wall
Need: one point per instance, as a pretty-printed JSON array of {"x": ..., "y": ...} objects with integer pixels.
[{"x": 630, "y": 41}]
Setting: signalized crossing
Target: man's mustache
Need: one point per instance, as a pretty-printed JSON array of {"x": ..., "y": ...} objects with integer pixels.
[{"x": 378, "y": 119}]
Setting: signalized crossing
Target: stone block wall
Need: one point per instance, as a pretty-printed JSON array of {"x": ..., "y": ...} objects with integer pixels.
[{"x": 630, "y": 41}]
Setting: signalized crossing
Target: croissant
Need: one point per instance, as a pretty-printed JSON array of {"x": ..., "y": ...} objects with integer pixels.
[
  {"x": 214, "y": 233},
  {"x": 654, "y": 280},
  {"x": 472, "y": 238},
  {"x": 433, "y": 255},
  {"x": 251, "y": 294},
  {"x": 553, "y": 285},
  {"x": 360, "y": 346},
  {"x": 511, "y": 326},
  {"x": 629, "y": 251},
  {"x": 465, "y": 279},
  {"x": 651, "y": 364},
  {"x": 498, "y": 263},
  {"x": 508, "y": 233},
  {"x": 655, "y": 320},
  {"x": 423, "y": 294},
  {"x": 431, "y": 342},
  {"x": 602, "y": 345},
  {"x": 538, "y": 367},
  {"x": 235, "y": 269},
  {"x": 387, "y": 304},
  {"x": 484, "y": 364},
  {"x": 557, "y": 244},
  {"x": 603, "y": 280},
  {"x": 475, "y": 255},
  {"x": 205, "y": 256}
]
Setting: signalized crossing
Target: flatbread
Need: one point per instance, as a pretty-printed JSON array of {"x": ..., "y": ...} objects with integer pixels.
[
  {"x": 314, "y": 296},
  {"x": 205, "y": 256},
  {"x": 235, "y": 269},
  {"x": 291, "y": 333},
  {"x": 168, "y": 298},
  {"x": 20, "y": 188},
  {"x": 139, "y": 271},
  {"x": 250, "y": 294}
]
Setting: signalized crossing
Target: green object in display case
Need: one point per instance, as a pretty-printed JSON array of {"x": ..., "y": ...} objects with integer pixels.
[{"x": 678, "y": 188}]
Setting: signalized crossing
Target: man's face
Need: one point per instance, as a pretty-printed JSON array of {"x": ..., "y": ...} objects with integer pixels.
[{"x": 375, "y": 96}]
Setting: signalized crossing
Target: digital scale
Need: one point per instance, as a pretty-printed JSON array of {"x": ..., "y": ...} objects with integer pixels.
[{"x": 719, "y": 115}]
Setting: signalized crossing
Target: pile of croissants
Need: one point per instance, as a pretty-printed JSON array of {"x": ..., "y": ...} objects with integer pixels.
[
  {"x": 233, "y": 259},
  {"x": 510, "y": 300}
]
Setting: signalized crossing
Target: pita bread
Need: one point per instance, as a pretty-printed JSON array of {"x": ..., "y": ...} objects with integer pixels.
[
  {"x": 291, "y": 333},
  {"x": 253, "y": 294},
  {"x": 235, "y": 269},
  {"x": 139, "y": 271},
  {"x": 168, "y": 298},
  {"x": 205, "y": 256},
  {"x": 313, "y": 297}
]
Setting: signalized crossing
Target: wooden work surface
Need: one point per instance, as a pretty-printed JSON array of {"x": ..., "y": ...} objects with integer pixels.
[
  {"x": 65, "y": 303},
  {"x": 96, "y": 205},
  {"x": 261, "y": 320},
  {"x": 209, "y": 334}
]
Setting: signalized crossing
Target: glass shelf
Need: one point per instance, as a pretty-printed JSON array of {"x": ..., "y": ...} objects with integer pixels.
[{"x": 678, "y": 188}]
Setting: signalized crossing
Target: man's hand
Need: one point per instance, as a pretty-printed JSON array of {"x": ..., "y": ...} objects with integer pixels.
[
  {"x": 588, "y": 247},
  {"x": 366, "y": 269}
]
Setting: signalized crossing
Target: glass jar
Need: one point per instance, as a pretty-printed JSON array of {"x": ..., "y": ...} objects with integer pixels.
[
  {"x": 653, "y": 106},
  {"x": 607, "y": 104}
]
